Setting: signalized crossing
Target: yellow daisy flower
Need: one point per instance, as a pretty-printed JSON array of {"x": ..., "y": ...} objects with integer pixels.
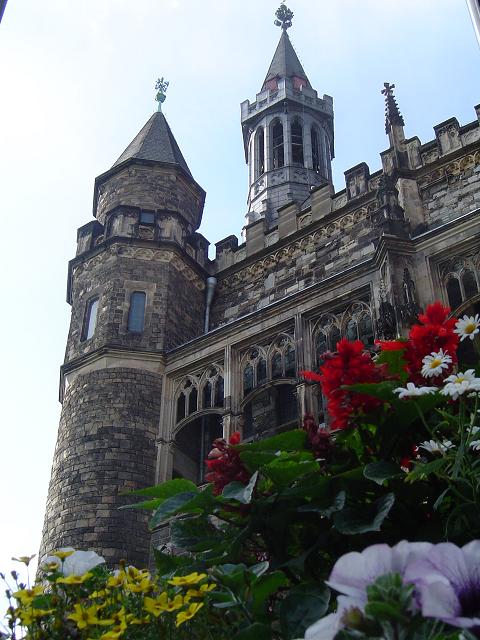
[
  {"x": 192, "y": 578},
  {"x": 74, "y": 579},
  {"x": 192, "y": 610}
]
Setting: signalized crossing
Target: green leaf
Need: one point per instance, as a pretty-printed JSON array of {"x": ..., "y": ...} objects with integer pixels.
[
  {"x": 165, "y": 490},
  {"x": 381, "y": 390},
  {"x": 288, "y": 441},
  {"x": 195, "y": 534},
  {"x": 351, "y": 521},
  {"x": 381, "y": 471},
  {"x": 303, "y": 606},
  {"x": 256, "y": 631},
  {"x": 254, "y": 460},
  {"x": 395, "y": 361},
  {"x": 421, "y": 470},
  {"x": 263, "y": 589},
  {"x": 239, "y": 492},
  {"x": 282, "y": 472},
  {"x": 233, "y": 576},
  {"x": 337, "y": 505},
  {"x": 149, "y": 505},
  {"x": 165, "y": 563},
  {"x": 187, "y": 502}
]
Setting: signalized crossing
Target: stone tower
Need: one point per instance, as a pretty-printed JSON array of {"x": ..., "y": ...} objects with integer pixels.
[
  {"x": 287, "y": 136},
  {"x": 136, "y": 288}
]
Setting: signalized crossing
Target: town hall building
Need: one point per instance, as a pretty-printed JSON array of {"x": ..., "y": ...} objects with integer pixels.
[{"x": 168, "y": 350}]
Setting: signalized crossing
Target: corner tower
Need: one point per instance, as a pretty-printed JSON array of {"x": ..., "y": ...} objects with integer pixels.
[
  {"x": 136, "y": 288},
  {"x": 287, "y": 134}
]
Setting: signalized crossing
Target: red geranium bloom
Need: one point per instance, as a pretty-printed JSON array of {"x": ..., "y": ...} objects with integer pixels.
[
  {"x": 224, "y": 464},
  {"x": 434, "y": 331},
  {"x": 391, "y": 345}
]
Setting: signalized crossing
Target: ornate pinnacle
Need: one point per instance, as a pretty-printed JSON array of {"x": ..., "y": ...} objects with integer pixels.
[
  {"x": 161, "y": 86},
  {"x": 284, "y": 17},
  {"x": 392, "y": 113}
]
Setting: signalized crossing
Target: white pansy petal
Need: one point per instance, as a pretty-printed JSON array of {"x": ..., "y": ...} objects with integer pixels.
[
  {"x": 80, "y": 562},
  {"x": 404, "y": 553},
  {"x": 354, "y": 571},
  {"x": 439, "y": 600},
  {"x": 325, "y": 628}
]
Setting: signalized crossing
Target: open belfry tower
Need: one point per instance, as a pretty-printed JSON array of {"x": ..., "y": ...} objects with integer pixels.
[{"x": 168, "y": 349}]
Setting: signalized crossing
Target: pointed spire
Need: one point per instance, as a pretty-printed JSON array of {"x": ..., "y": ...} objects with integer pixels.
[
  {"x": 156, "y": 142},
  {"x": 285, "y": 62},
  {"x": 392, "y": 113}
]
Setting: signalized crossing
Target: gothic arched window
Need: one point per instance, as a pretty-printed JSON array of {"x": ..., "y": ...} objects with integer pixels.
[
  {"x": 277, "y": 369},
  {"x": 181, "y": 407},
  {"x": 192, "y": 401},
  {"x": 334, "y": 337},
  {"x": 260, "y": 153},
  {"x": 219, "y": 392},
  {"x": 454, "y": 292},
  {"x": 261, "y": 371},
  {"x": 469, "y": 283},
  {"x": 207, "y": 394},
  {"x": 290, "y": 361},
  {"x": 277, "y": 145},
  {"x": 297, "y": 143},
  {"x": 365, "y": 330},
  {"x": 90, "y": 320},
  {"x": 247, "y": 379},
  {"x": 316, "y": 156},
  {"x": 136, "y": 313}
]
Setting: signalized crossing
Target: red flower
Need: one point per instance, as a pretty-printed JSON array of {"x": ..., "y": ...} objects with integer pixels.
[
  {"x": 224, "y": 464},
  {"x": 319, "y": 438},
  {"x": 434, "y": 331},
  {"x": 391, "y": 345},
  {"x": 310, "y": 375},
  {"x": 349, "y": 366}
]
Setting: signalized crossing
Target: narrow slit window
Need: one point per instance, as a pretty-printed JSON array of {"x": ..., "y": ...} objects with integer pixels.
[
  {"x": 315, "y": 150},
  {"x": 277, "y": 137},
  {"x": 136, "y": 314},
  {"x": 260, "y": 153},
  {"x": 90, "y": 319},
  {"x": 297, "y": 143}
]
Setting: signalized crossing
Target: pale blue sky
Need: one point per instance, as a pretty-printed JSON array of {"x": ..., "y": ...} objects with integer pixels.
[{"x": 77, "y": 83}]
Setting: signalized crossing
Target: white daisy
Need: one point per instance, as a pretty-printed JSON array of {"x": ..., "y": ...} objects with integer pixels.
[
  {"x": 468, "y": 327},
  {"x": 475, "y": 445},
  {"x": 436, "y": 447},
  {"x": 435, "y": 363},
  {"x": 459, "y": 383},
  {"x": 411, "y": 391}
]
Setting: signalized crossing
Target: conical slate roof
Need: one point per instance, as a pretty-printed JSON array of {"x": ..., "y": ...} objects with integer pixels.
[
  {"x": 155, "y": 141},
  {"x": 285, "y": 62}
]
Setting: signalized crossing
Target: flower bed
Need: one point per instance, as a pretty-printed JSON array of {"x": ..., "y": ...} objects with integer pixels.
[{"x": 369, "y": 528}]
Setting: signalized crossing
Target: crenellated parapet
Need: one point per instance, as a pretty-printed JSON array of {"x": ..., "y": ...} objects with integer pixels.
[{"x": 419, "y": 188}]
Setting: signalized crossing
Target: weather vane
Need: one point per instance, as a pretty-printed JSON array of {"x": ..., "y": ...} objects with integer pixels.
[
  {"x": 284, "y": 17},
  {"x": 161, "y": 86}
]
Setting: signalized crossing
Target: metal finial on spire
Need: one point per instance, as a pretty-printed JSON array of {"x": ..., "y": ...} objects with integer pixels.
[
  {"x": 284, "y": 17},
  {"x": 392, "y": 113},
  {"x": 161, "y": 86}
]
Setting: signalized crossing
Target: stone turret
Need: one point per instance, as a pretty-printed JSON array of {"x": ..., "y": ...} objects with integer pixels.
[
  {"x": 288, "y": 135},
  {"x": 136, "y": 287}
]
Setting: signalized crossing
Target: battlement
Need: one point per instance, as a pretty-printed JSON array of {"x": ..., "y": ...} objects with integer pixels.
[
  {"x": 286, "y": 88},
  {"x": 451, "y": 141}
]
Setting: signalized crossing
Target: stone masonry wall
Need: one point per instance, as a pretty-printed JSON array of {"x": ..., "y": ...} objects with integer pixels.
[
  {"x": 105, "y": 445},
  {"x": 174, "y": 303},
  {"x": 152, "y": 187},
  {"x": 315, "y": 256},
  {"x": 451, "y": 190}
]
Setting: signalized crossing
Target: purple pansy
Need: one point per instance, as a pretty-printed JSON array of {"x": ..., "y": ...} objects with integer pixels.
[
  {"x": 354, "y": 572},
  {"x": 447, "y": 582}
]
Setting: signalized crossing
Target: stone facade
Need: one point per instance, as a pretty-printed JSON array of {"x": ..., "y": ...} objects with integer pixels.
[
  {"x": 99, "y": 452},
  {"x": 216, "y": 345}
]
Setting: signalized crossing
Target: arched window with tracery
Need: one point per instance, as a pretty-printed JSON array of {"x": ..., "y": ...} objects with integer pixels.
[
  {"x": 187, "y": 399},
  {"x": 357, "y": 324},
  {"x": 316, "y": 150},
  {"x": 259, "y": 152},
  {"x": 296, "y": 131},
  {"x": 212, "y": 387},
  {"x": 461, "y": 279},
  {"x": 278, "y": 154}
]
